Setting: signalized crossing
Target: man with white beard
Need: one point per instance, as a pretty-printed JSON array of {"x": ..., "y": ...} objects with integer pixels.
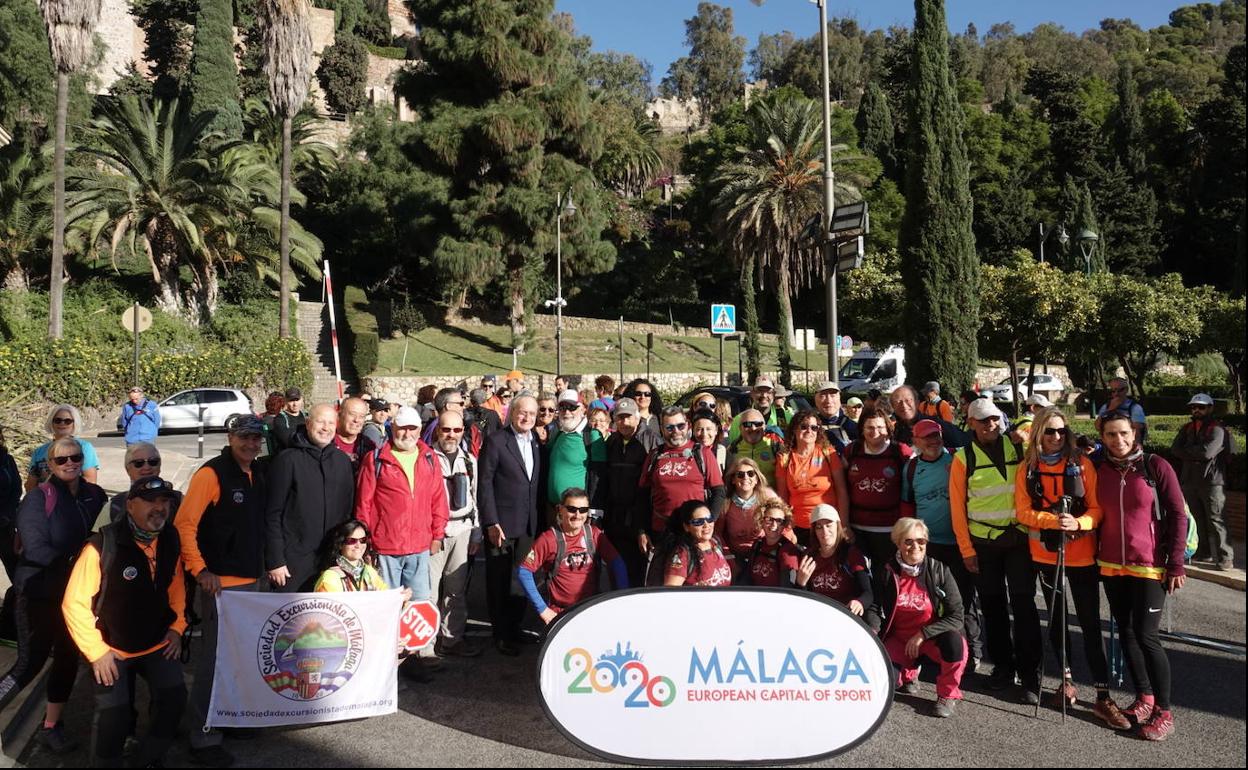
[{"x": 577, "y": 455}]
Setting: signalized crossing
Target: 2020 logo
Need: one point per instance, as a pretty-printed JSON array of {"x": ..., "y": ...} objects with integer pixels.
[{"x": 621, "y": 669}]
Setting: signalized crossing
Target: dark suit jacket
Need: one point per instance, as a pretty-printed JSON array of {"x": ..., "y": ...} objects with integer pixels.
[{"x": 506, "y": 495}]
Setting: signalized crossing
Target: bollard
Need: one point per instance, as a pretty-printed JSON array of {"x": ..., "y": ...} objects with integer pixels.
[{"x": 201, "y": 432}]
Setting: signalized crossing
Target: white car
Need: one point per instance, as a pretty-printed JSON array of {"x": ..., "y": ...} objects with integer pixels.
[
  {"x": 1047, "y": 385},
  {"x": 182, "y": 410}
]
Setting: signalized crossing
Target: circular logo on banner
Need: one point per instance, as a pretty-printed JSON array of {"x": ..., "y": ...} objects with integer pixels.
[
  {"x": 754, "y": 662},
  {"x": 310, "y": 648}
]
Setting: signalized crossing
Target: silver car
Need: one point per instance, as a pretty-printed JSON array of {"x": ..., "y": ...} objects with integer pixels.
[
  {"x": 182, "y": 410},
  {"x": 1046, "y": 385}
]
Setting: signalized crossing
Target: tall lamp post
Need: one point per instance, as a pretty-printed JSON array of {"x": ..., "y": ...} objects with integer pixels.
[
  {"x": 829, "y": 255},
  {"x": 563, "y": 205},
  {"x": 1087, "y": 240},
  {"x": 1062, "y": 237}
]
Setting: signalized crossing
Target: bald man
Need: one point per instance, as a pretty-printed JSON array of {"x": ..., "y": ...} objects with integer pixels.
[
  {"x": 311, "y": 491},
  {"x": 351, "y": 418}
]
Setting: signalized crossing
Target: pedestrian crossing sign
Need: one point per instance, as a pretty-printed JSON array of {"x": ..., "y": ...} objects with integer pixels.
[{"x": 723, "y": 319}]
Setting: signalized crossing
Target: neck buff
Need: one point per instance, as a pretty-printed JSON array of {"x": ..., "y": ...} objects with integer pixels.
[
  {"x": 912, "y": 571},
  {"x": 354, "y": 570},
  {"x": 1128, "y": 461},
  {"x": 140, "y": 534},
  {"x": 742, "y": 502},
  {"x": 1051, "y": 459}
]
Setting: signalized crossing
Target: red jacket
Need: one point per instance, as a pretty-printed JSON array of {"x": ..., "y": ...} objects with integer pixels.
[
  {"x": 403, "y": 519},
  {"x": 1129, "y": 535}
]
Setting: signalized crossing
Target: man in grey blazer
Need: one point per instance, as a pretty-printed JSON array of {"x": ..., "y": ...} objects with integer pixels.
[{"x": 507, "y": 492}]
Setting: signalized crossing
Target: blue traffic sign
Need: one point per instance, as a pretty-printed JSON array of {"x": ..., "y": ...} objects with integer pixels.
[{"x": 723, "y": 319}]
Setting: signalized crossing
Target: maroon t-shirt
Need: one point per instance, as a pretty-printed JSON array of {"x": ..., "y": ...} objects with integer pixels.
[
  {"x": 875, "y": 485},
  {"x": 914, "y": 608},
  {"x": 768, "y": 565},
  {"x": 835, "y": 576},
  {"x": 577, "y": 577},
  {"x": 713, "y": 571},
  {"x": 674, "y": 477}
]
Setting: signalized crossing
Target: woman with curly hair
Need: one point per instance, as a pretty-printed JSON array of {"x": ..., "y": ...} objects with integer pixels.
[{"x": 690, "y": 554}]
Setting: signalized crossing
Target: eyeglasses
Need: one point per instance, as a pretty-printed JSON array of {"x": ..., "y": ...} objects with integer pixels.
[
  {"x": 642, "y": 394},
  {"x": 745, "y": 474},
  {"x": 1056, "y": 431},
  {"x": 775, "y": 522},
  {"x": 808, "y": 427},
  {"x": 910, "y": 542},
  {"x": 753, "y": 424},
  {"x": 581, "y": 509},
  {"x": 68, "y": 459},
  {"x": 154, "y": 463},
  {"x": 454, "y": 431},
  {"x": 355, "y": 540},
  {"x": 704, "y": 405},
  {"x": 675, "y": 427},
  {"x": 62, "y": 420},
  {"x": 703, "y": 521},
  {"x": 546, "y": 410}
]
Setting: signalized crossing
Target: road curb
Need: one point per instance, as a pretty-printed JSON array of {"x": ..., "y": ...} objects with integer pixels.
[{"x": 1234, "y": 578}]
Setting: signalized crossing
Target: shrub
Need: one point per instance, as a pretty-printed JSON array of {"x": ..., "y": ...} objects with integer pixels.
[{"x": 361, "y": 326}]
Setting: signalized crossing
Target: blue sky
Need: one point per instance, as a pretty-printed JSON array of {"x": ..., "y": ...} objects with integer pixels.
[{"x": 654, "y": 29}]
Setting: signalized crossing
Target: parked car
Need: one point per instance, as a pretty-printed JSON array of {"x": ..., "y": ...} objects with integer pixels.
[
  {"x": 182, "y": 410},
  {"x": 1047, "y": 385},
  {"x": 738, "y": 398},
  {"x": 867, "y": 369}
]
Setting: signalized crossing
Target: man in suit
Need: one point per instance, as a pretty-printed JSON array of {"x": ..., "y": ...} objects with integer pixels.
[{"x": 510, "y": 477}]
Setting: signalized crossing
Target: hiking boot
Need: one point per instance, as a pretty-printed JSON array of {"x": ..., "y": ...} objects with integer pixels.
[
  {"x": 1030, "y": 697},
  {"x": 1001, "y": 679},
  {"x": 1108, "y": 712},
  {"x": 944, "y": 707},
  {"x": 54, "y": 739},
  {"x": 1065, "y": 691},
  {"x": 1139, "y": 711},
  {"x": 212, "y": 756},
  {"x": 1226, "y": 565},
  {"x": 1159, "y": 726},
  {"x": 910, "y": 688}
]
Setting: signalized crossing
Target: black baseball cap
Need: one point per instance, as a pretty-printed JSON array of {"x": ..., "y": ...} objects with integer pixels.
[{"x": 150, "y": 488}]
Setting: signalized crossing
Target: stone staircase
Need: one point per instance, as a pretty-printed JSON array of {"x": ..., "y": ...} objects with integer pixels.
[{"x": 312, "y": 325}]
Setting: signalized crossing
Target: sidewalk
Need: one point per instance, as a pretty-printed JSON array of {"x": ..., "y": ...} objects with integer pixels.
[{"x": 1234, "y": 578}]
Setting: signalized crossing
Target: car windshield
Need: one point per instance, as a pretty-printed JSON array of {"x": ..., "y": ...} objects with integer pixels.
[
  {"x": 857, "y": 368},
  {"x": 1021, "y": 381}
]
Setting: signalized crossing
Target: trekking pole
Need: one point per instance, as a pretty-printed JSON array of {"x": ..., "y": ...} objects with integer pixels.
[
  {"x": 1053, "y": 591},
  {"x": 1061, "y": 590}
]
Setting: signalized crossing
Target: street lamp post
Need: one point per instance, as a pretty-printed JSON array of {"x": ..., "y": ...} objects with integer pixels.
[
  {"x": 829, "y": 256},
  {"x": 563, "y": 205},
  {"x": 1087, "y": 245}
]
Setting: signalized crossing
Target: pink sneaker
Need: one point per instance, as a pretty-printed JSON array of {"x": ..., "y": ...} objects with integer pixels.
[
  {"x": 1160, "y": 726},
  {"x": 1139, "y": 711}
]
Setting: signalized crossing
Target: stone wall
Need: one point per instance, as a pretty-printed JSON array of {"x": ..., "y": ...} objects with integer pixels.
[{"x": 123, "y": 43}]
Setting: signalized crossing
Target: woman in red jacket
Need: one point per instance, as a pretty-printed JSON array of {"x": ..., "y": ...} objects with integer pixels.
[
  {"x": 873, "y": 471},
  {"x": 1140, "y": 554}
]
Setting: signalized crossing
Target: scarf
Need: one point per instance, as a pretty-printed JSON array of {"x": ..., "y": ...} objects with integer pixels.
[
  {"x": 911, "y": 570},
  {"x": 144, "y": 536},
  {"x": 1051, "y": 459},
  {"x": 743, "y": 503},
  {"x": 1126, "y": 462},
  {"x": 353, "y": 571}
]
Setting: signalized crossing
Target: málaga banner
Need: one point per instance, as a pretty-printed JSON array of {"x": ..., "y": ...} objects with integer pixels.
[
  {"x": 711, "y": 676},
  {"x": 300, "y": 658}
]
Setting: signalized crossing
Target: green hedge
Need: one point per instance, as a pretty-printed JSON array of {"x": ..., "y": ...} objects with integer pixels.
[
  {"x": 363, "y": 335},
  {"x": 386, "y": 51},
  {"x": 72, "y": 371}
]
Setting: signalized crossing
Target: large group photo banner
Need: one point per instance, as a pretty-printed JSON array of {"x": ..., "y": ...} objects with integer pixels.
[
  {"x": 303, "y": 658},
  {"x": 711, "y": 676}
]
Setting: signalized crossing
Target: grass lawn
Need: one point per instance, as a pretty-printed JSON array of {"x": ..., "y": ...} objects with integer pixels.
[{"x": 482, "y": 348}]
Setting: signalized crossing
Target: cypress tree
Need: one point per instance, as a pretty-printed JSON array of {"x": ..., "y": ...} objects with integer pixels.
[
  {"x": 213, "y": 81},
  {"x": 940, "y": 269},
  {"x": 874, "y": 123},
  {"x": 1129, "y": 126}
]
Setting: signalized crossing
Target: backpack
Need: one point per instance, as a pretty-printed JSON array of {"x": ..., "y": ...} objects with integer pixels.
[
  {"x": 699, "y": 459},
  {"x": 49, "y": 505},
  {"x": 561, "y": 549},
  {"x": 1193, "y": 534},
  {"x": 377, "y": 462}
]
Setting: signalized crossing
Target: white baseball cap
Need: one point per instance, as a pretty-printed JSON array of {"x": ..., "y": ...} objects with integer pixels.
[
  {"x": 1038, "y": 399},
  {"x": 824, "y": 512},
  {"x": 407, "y": 418},
  {"x": 1203, "y": 399},
  {"x": 982, "y": 409}
]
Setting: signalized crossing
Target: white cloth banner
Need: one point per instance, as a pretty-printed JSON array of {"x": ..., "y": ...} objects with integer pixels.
[{"x": 303, "y": 658}]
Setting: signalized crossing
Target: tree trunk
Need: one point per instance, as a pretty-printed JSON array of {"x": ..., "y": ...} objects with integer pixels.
[
  {"x": 458, "y": 300},
  {"x": 1234, "y": 372},
  {"x": 785, "y": 325},
  {"x": 56, "y": 284},
  {"x": 203, "y": 295},
  {"x": 283, "y": 314},
  {"x": 516, "y": 292},
  {"x": 1031, "y": 377},
  {"x": 15, "y": 279},
  {"x": 750, "y": 317}
]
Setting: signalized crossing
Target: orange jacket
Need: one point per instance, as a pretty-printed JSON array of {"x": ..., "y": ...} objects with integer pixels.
[
  {"x": 942, "y": 409},
  {"x": 1081, "y": 551}
]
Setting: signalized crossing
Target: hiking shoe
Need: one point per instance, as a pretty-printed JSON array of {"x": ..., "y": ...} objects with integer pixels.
[
  {"x": 54, "y": 739},
  {"x": 910, "y": 688},
  {"x": 1159, "y": 726},
  {"x": 1001, "y": 679},
  {"x": 1226, "y": 565},
  {"x": 1108, "y": 712},
  {"x": 212, "y": 756},
  {"x": 1030, "y": 697},
  {"x": 944, "y": 707},
  {"x": 1139, "y": 711}
]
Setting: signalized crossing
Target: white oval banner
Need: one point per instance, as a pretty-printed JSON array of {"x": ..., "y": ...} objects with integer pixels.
[{"x": 708, "y": 676}]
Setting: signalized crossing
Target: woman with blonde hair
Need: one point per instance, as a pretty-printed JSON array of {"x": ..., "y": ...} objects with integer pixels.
[
  {"x": 738, "y": 527},
  {"x": 773, "y": 558},
  {"x": 64, "y": 421}
]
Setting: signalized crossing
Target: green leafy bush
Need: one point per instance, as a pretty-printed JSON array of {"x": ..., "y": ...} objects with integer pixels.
[{"x": 362, "y": 331}]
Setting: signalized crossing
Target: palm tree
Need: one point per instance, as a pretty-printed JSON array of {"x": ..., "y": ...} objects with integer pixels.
[
  {"x": 770, "y": 192},
  {"x": 24, "y": 214},
  {"x": 630, "y": 157},
  {"x": 71, "y": 29},
  {"x": 288, "y": 67}
]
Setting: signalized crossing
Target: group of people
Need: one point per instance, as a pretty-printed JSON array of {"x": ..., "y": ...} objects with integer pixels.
[{"x": 907, "y": 519}]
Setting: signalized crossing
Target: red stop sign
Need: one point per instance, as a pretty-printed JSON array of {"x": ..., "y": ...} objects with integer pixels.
[{"x": 418, "y": 625}]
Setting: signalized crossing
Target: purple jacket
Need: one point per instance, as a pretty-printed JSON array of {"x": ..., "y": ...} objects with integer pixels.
[{"x": 1128, "y": 533}]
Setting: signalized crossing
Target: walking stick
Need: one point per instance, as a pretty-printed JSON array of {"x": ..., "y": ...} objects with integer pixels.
[{"x": 1057, "y": 590}]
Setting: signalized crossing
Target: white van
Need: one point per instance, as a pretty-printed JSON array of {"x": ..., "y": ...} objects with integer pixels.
[{"x": 885, "y": 370}]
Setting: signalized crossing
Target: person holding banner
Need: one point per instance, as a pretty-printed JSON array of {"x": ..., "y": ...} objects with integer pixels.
[
  {"x": 918, "y": 613},
  {"x": 690, "y": 554},
  {"x": 570, "y": 556},
  {"x": 124, "y": 607},
  {"x": 345, "y": 566},
  {"x": 835, "y": 567}
]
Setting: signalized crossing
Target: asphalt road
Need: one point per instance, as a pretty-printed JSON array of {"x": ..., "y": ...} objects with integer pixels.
[
  {"x": 182, "y": 442},
  {"x": 485, "y": 712}
]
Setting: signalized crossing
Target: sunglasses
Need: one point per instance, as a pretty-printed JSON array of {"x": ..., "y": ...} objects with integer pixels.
[
  {"x": 809, "y": 427},
  {"x": 582, "y": 509},
  {"x": 569, "y": 407},
  {"x": 753, "y": 424},
  {"x": 504, "y": 396},
  {"x": 913, "y": 541},
  {"x": 1056, "y": 431},
  {"x": 355, "y": 540},
  {"x": 140, "y": 463},
  {"x": 68, "y": 459},
  {"x": 992, "y": 418},
  {"x": 62, "y": 420},
  {"x": 703, "y": 521},
  {"x": 1195, "y": 407},
  {"x": 547, "y": 410},
  {"x": 675, "y": 427},
  {"x": 704, "y": 405},
  {"x": 155, "y": 485},
  {"x": 775, "y": 522},
  {"x": 642, "y": 394},
  {"x": 453, "y": 431},
  {"x": 745, "y": 474}
]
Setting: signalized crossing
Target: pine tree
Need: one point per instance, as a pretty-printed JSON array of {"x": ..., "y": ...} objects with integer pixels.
[
  {"x": 506, "y": 120},
  {"x": 212, "y": 85},
  {"x": 874, "y": 123},
  {"x": 939, "y": 265}
]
